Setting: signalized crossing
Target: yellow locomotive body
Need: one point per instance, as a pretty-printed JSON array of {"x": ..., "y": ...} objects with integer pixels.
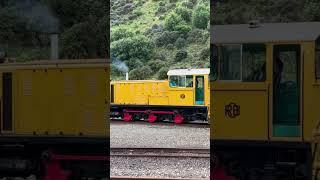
[
  {"x": 185, "y": 94},
  {"x": 140, "y": 92},
  {"x": 53, "y": 105},
  {"x": 264, "y": 94}
]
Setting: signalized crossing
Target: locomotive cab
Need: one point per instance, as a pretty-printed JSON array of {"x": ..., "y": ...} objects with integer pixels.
[
  {"x": 190, "y": 82},
  {"x": 264, "y": 89}
]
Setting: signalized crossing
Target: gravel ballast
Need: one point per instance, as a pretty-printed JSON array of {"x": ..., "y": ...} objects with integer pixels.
[
  {"x": 128, "y": 135},
  {"x": 160, "y": 167}
]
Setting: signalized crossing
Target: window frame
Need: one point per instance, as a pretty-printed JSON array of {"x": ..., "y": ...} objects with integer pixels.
[
  {"x": 185, "y": 82},
  {"x": 265, "y": 61},
  {"x": 241, "y": 62},
  {"x": 191, "y": 81},
  {"x": 220, "y": 58}
]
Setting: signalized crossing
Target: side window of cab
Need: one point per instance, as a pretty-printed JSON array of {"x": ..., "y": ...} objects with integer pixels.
[
  {"x": 181, "y": 81},
  {"x": 173, "y": 81}
]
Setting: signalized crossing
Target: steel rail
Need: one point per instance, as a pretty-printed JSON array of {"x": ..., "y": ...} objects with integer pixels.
[{"x": 160, "y": 152}]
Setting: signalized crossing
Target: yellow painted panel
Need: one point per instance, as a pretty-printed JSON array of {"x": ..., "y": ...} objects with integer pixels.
[
  {"x": 67, "y": 100},
  {"x": 31, "y": 112},
  {"x": 93, "y": 85},
  {"x": 181, "y": 97},
  {"x": 311, "y": 91},
  {"x": 157, "y": 100},
  {"x": 24, "y": 103},
  {"x": 251, "y": 124},
  {"x": 139, "y": 92}
]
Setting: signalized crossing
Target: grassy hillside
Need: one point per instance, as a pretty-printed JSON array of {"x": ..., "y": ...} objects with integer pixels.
[{"x": 148, "y": 37}]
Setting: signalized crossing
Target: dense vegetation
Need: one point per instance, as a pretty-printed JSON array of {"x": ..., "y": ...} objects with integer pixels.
[
  {"x": 83, "y": 26},
  {"x": 242, "y": 11},
  {"x": 150, "y": 36}
]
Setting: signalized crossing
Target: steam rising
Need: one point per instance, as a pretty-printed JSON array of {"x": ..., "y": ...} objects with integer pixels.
[
  {"x": 121, "y": 66},
  {"x": 38, "y": 16}
]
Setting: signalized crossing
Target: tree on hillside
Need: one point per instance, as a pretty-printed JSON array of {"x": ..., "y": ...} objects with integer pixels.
[
  {"x": 133, "y": 47},
  {"x": 172, "y": 20},
  {"x": 201, "y": 16}
]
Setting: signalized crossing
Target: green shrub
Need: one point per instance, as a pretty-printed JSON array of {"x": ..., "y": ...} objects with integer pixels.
[
  {"x": 183, "y": 29},
  {"x": 166, "y": 37},
  {"x": 120, "y": 33},
  {"x": 173, "y": 1},
  {"x": 133, "y": 47},
  {"x": 161, "y": 9},
  {"x": 155, "y": 65},
  {"x": 161, "y": 3},
  {"x": 184, "y": 12},
  {"x": 134, "y": 63},
  {"x": 188, "y": 4},
  {"x": 201, "y": 16},
  {"x": 142, "y": 73},
  {"x": 204, "y": 53},
  {"x": 180, "y": 43},
  {"x": 172, "y": 20},
  {"x": 181, "y": 54},
  {"x": 162, "y": 73},
  {"x": 197, "y": 36},
  {"x": 134, "y": 74},
  {"x": 160, "y": 55},
  {"x": 170, "y": 46}
]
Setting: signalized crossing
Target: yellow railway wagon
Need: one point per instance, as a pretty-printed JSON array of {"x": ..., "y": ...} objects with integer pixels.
[
  {"x": 264, "y": 96},
  {"x": 56, "y": 106},
  {"x": 184, "y": 97}
]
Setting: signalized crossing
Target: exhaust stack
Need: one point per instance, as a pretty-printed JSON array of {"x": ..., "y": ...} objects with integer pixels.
[
  {"x": 127, "y": 76},
  {"x": 54, "y": 46}
]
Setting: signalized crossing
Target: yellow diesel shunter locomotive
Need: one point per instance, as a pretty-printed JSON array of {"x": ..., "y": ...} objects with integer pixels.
[
  {"x": 53, "y": 119},
  {"x": 265, "y": 90},
  {"x": 182, "y": 98}
]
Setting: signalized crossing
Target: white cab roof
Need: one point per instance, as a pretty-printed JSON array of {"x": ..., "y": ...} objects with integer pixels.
[{"x": 183, "y": 72}]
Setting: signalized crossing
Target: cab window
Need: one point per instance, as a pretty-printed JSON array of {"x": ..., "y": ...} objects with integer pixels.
[
  {"x": 253, "y": 62},
  {"x": 174, "y": 81},
  {"x": 189, "y": 81},
  {"x": 213, "y": 63},
  {"x": 230, "y": 62},
  {"x": 318, "y": 59},
  {"x": 243, "y": 62},
  {"x": 181, "y": 81}
]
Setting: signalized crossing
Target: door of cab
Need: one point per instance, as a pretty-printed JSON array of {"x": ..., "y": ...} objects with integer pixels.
[
  {"x": 199, "y": 88},
  {"x": 286, "y": 91}
]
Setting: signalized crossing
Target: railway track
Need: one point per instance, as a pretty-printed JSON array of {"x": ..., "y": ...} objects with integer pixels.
[
  {"x": 160, "y": 152},
  {"x": 199, "y": 124},
  {"x": 163, "y": 155}
]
